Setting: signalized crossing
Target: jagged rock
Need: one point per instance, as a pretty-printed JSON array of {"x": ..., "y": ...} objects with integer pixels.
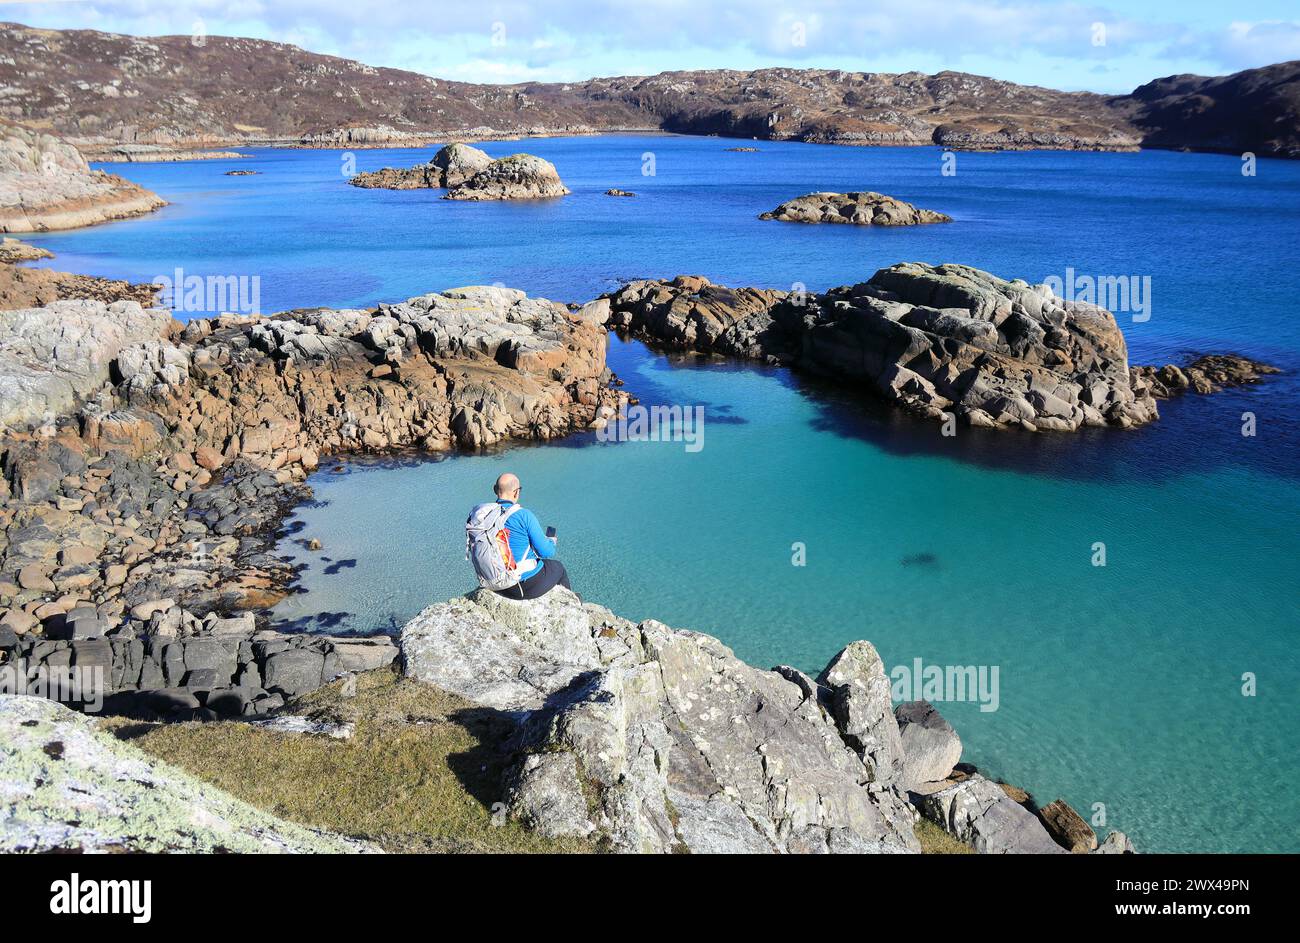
[
  {"x": 931, "y": 748},
  {"x": 653, "y": 739},
  {"x": 517, "y": 177},
  {"x": 66, "y": 786},
  {"x": 1209, "y": 373},
  {"x": 860, "y": 700},
  {"x": 690, "y": 312},
  {"x": 977, "y": 812},
  {"x": 1068, "y": 827},
  {"x": 860, "y": 209}
]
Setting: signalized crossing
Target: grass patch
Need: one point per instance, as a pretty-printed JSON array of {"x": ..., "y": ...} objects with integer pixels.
[
  {"x": 935, "y": 841},
  {"x": 420, "y": 772}
]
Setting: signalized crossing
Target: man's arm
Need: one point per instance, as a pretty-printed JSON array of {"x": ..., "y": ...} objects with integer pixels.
[{"x": 542, "y": 545}]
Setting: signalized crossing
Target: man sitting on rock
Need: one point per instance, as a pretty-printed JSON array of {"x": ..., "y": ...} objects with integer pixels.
[{"x": 528, "y": 542}]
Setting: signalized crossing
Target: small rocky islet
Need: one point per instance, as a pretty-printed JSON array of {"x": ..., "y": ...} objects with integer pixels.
[
  {"x": 865, "y": 208},
  {"x": 467, "y": 173}
]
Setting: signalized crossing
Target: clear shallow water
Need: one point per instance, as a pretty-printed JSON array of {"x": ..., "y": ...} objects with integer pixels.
[{"x": 1119, "y": 685}]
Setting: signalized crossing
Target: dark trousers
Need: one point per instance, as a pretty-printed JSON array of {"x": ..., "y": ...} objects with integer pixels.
[{"x": 552, "y": 574}]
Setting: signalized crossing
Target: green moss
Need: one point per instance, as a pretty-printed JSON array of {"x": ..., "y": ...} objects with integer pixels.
[{"x": 421, "y": 771}]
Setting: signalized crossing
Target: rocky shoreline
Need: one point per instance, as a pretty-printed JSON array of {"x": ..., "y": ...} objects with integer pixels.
[
  {"x": 45, "y": 184},
  {"x": 145, "y": 466}
]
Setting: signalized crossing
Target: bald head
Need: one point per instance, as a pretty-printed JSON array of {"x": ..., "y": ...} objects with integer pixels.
[{"x": 507, "y": 487}]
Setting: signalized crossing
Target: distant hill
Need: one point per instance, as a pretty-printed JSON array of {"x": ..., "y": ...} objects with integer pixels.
[{"x": 101, "y": 89}]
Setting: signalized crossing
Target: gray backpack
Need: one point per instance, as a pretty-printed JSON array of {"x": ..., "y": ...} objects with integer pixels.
[{"x": 487, "y": 546}]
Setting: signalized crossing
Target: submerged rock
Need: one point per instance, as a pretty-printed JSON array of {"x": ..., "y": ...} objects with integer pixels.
[
  {"x": 517, "y": 177},
  {"x": 653, "y": 739},
  {"x": 67, "y": 786},
  {"x": 859, "y": 209}
]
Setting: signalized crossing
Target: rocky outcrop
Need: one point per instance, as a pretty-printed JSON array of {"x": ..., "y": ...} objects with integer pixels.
[
  {"x": 517, "y": 177},
  {"x": 66, "y": 786},
  {"x": 46, "y": 184},
  {"x": 22, "y": 287},
  {"x": 450, "y": 167},
  {"x": 15, "y": 250},
  {"x": 155, "y": 154},
  {"x": 1210, "y": 373},
  {"x": 858, "y": 694},
  {"x": 947, "y": 342},
  {"x": 691, "y": 313},
  {"x": 653, "y": 739},
  {"x": 53, "y": 358},
  {"x": 858, "y": 209}
]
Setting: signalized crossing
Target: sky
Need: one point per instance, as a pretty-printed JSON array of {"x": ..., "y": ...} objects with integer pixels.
[{"x": 1103, "y": 47}]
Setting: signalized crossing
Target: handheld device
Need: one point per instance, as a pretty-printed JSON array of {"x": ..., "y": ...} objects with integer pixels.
[{"x": 550, "y": 532}]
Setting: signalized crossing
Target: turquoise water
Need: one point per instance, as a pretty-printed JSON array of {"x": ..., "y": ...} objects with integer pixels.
[{"x": 1119, "y": 685}]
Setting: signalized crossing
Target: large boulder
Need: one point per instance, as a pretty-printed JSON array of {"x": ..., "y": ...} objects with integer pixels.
[
  {"x": 510, "y": 656},
  {"x": 931, "y": 748},
  {"x": 978, "y": 812},
  {"x": 517, "y": 177},
  {"x": 67, "y": 786},
  {"x": 652, "y": 739},
  {"x": 859, "y": 209},
  {"x": 860, "y": 700},
  {"x": 456, "y": 163}
]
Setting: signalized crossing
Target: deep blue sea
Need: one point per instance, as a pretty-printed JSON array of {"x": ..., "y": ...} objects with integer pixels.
[{"x": 1124, "y": 688}]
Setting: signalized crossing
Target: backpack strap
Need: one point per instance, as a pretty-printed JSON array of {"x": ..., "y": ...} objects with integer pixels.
[{"x": 519, "y": 564}]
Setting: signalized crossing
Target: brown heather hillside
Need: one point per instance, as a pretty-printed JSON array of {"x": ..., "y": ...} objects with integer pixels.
[{"x": 101, "y": 89}]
